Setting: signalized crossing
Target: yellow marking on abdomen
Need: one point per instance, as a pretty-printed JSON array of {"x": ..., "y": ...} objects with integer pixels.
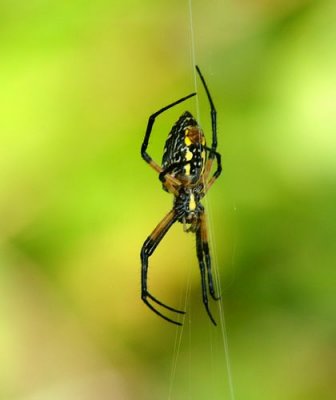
[
  {"x": 187, "y": 169},
  {"x": 187, "y": 141},
  {"x": 188, "y": 155},
  {"x": 192, "y": 202}
]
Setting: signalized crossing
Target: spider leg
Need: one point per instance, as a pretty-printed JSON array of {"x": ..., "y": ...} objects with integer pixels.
[
  {"x": 203, "y": 277},
  {"x": 202, "y": 250},
  {"x": 147, "y": 250},
  {"x": 208, "y": 169},
  {"x": 150, "y": 124},
  {"x": 203, "y": 254},
  {"x": 164, "y": 305},
  {"x": 212, "y": 151},
  {"x": 170, "y": 168},
  {"x": 158, "y": 313},
  {"x": 213, "y": 114},
  {"x": 171, "y": 183},
  {"x": 206, "y": 252}
]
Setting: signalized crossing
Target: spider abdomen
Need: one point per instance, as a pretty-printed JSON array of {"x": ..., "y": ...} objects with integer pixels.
[{"x": 184, "y": 152}]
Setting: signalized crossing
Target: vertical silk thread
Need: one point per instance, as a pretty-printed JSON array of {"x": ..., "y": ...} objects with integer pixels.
[{"x": 216, "y": 272}]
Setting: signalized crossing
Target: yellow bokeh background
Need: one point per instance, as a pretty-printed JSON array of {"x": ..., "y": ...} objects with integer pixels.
[{"x": 78, "y": 82}]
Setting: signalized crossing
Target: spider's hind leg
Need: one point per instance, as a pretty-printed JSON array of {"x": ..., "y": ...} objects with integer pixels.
[
  {"x": 202, "y": 248},
  {"x": 147, "y": 250},
  {"x": 206, "y": 252}
]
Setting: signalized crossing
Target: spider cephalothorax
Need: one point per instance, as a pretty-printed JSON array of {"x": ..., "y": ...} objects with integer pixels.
[
  {"x": 188, "y": 207},
  {"x": 185, "y": 171}
]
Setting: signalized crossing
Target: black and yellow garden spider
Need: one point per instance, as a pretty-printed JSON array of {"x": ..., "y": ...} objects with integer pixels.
[{"x": 185, "y": 171}]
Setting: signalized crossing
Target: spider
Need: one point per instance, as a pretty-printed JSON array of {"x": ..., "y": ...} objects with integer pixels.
[{"x": 185, "y": 172}]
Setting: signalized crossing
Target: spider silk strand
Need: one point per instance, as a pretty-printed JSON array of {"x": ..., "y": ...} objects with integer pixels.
[{"x": 209, "y": 219}]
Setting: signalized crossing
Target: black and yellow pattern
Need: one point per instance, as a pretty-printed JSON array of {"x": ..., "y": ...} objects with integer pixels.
[{"x": 185, "y": 170}]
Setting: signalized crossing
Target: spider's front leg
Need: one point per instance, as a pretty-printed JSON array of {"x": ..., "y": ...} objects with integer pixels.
[
  {"x": 150, "y": 123},
  {"x": 212, "y": 150},
  {"x": 208, "y": 167},
  {"x": 147, "y": 250},
  {"x": 204, "y": 260},
  {"x": 171, "y": 183}
]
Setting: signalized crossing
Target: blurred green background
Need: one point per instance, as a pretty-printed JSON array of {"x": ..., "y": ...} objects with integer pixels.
[{"x": 78, "y": 81}]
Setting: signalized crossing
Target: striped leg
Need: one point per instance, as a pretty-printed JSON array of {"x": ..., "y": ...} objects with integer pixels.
[
  {"x": 147, "y": 250},
  {"x": 204, "y": 260},
  {"x": 207, "y": 170},
  {"x": 212, "y": 150},
  {"x": 171, "y": 182}
]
